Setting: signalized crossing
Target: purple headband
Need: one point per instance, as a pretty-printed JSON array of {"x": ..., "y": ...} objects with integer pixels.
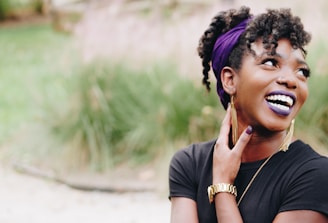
[{"x": 220, "y": 55}]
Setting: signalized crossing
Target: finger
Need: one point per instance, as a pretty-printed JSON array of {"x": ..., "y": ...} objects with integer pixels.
[
  {"x": 225, "y": 127},
  {"x": 243, "y": 140}
]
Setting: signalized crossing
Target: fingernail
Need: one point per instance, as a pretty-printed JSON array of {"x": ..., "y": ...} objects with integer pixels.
[{"x": 249, "y": 130}]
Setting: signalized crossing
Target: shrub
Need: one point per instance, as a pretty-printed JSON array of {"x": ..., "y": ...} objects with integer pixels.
[
  {"x": 19, "y": 8},
  {"x": 313, "y": 117},
  {"x": 117, "y": 114},
  {"x": 4, "y": 8}
]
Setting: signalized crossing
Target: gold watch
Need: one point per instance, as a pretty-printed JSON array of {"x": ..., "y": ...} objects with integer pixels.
[{"x": 220, "y": 187}]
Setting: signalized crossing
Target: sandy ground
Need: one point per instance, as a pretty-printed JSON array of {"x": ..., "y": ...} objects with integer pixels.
[{"x": 28, "y": 199}]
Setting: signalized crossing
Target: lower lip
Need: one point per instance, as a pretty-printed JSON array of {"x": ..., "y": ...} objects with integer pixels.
[{"x": 278, "y": 110}]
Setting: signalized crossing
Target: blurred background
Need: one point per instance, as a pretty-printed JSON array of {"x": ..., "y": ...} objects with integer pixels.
[{"x": 97, "y": 95}]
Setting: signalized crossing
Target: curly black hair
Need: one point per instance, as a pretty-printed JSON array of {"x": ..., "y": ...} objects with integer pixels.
[{"x": 271, "y": 26}]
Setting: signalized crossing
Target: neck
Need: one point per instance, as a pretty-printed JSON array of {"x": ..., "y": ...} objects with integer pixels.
[{"x": 262, "y": 146}]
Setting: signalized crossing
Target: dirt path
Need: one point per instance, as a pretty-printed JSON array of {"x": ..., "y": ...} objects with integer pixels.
[{"x": 26, "y": 199}]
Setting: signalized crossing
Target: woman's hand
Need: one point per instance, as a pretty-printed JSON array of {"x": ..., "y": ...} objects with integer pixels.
[{"x": 226, "y": 161}]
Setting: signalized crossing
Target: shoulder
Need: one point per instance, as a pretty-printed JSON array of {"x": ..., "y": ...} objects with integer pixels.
[
  {"x": 306, "y": 161},
  {"x": 186, "y": 166},
  {"x": 193, "y": 157},
  {"x": 194, "y": 152},
  {"x": 307, "y": 177},
  {"x": 304, "y": 153}
]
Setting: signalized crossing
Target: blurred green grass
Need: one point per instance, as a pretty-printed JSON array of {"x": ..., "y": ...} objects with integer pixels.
[
  {"x": 101, "y": 114},
  {"x": 33, "y": 60},
  {"x": 121, "y": 115},
  {"x": 45, "y": 85}
]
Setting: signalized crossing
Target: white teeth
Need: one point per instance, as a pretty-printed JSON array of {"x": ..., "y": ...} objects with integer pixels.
[
  {"x": 283, "y": 98},
  {"x": 281, "y": 107}
]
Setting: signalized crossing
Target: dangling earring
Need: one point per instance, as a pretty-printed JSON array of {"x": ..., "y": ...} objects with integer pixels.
[
  {"x": 288, "y": 139},
  {"x": 234, "y": 121}
]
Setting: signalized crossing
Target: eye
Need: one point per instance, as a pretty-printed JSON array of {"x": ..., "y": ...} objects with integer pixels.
[
  {"x": 305, "y": 72},
  {"x": 270, "y": 62}
]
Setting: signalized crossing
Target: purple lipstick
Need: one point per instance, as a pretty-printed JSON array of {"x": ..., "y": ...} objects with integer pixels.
[{"x": 281, "y": 102}]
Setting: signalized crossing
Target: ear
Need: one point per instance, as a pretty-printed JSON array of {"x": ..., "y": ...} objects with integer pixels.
[{"x": 228, "y": 79}]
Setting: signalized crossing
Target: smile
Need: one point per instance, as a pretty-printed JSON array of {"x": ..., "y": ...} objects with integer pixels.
[{"x": 280, "y": 103}]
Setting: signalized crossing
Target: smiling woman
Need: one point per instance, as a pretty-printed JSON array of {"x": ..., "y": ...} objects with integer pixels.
[
  {"x": 255, "y": 171},
  {"x": 275, "y": 78}
]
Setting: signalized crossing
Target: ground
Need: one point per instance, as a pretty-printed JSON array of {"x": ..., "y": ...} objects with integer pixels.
[{"x": 30, "y": 199}]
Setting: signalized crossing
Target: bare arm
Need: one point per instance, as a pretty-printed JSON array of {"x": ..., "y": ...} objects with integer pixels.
[
  {"x": 227, "y": 209},
  {"x": 226, "y": 164},
  {"x": 300, "y": 216},
  {"x": 183, "y": 210}
]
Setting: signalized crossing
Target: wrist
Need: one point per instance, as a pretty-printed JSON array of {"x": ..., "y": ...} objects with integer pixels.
[
  {"x": 220, "y": 188},
  {"x": 226, "y": 180}
]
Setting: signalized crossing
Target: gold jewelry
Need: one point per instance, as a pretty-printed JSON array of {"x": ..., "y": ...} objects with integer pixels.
[
  {"x": 253, "y": 178},
  {"x": 284, "y": 147},
  {"x": 234, "y": 121},
  {"x": 288, "y": 139},
  {"x": 220, "y": 187}
]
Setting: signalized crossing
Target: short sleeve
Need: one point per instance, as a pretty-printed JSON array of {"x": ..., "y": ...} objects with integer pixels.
[
  {"x": 308, "y": 190},
  {"x": 182, "y": 181}
]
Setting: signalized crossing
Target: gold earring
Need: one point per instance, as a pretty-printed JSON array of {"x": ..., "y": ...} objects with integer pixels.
[
  {"x": 288, "y": 139},
  {"x": 234, "y": 121}
]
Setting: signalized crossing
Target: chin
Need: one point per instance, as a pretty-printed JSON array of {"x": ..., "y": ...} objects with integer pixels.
[{"x": 273, "y": 126}]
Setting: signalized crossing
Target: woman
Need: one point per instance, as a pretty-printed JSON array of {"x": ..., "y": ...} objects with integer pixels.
[{"x": 254, "y": 171}]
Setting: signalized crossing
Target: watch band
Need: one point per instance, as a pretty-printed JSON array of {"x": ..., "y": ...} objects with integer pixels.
[{"x": 220, "y": 187}]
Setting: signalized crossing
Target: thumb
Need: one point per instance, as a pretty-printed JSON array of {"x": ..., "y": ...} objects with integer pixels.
[{"x": 243, "y": 140}]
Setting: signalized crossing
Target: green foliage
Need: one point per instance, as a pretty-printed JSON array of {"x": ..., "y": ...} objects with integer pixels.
[
  {"x": 34, "y": 64},
  {"x": 19, "y": 8},
  {"x": 316, "y": 57},
  {"x": 108, "y": 114},
  {"x": 313, "y": 117},
  {"x": 4, "y": 8},
  {"x": 117, "y": 114}
]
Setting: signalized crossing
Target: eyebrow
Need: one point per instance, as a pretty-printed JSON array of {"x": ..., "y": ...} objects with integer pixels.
[{"x": 299, "y": 61}]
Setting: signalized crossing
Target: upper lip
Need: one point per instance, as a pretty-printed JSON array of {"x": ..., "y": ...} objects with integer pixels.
[{"x": 281, "y": 97}]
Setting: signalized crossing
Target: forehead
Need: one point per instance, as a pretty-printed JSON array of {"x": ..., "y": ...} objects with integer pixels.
[{"x": 284, "y": 49}]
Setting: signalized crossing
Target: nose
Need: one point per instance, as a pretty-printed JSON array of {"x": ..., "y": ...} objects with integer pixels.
[{"x": 288, "y": 81}]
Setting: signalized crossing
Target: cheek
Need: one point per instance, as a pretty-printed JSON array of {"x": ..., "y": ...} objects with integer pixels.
[{"x": 304, "y": 92}]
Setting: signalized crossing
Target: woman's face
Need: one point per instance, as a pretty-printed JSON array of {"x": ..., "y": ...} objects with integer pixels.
[{"x": 271, "y": 89}]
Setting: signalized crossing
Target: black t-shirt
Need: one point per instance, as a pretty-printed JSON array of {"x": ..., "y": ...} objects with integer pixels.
[{"x": 292, "y": 180}]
